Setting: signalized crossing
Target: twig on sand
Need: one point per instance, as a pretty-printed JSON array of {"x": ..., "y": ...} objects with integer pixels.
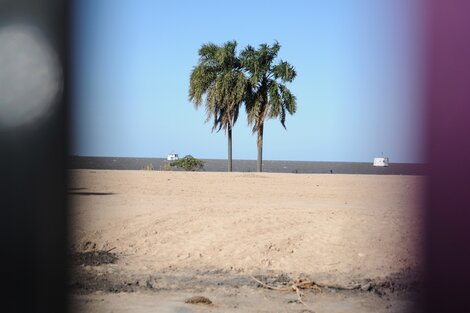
[
  {"x": 270, "y": 287},
  {"x": 109, "y": 250},
  {"x": 294, "y": 286}
]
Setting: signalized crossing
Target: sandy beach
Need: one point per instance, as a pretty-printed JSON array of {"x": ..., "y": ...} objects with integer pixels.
[{"x": 144, "y": 241}]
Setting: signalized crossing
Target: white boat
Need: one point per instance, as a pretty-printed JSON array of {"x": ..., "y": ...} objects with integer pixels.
[
  {"x": 172, "y": 157},
  {"x": 381, "y": 161}
]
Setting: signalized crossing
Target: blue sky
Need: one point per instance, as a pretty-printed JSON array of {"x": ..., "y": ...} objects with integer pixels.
[{"x": 357, "y": 89}]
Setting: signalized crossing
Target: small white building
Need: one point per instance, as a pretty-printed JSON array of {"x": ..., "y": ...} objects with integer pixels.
[
  {"x": 172, "y": 157},
  {"x": 381, "y": 161}
]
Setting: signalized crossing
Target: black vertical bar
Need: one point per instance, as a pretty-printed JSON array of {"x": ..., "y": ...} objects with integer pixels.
[{"x": 33, "y": 156}]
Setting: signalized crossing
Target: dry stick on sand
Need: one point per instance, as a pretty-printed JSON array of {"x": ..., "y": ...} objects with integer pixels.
[
  {"x": 109, "y": 250},
  {"x": 307, "y": 284},
  {"x": 295, "y": 286}
]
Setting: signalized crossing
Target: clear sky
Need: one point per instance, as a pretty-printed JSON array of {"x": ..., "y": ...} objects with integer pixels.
[{"x": 358, "y": 84}]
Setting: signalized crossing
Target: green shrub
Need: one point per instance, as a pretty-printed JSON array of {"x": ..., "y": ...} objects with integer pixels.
[{"x": 189, "y": 163}]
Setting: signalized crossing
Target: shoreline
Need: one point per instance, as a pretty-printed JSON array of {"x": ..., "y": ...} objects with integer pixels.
[{"x": 247, "y": 166}]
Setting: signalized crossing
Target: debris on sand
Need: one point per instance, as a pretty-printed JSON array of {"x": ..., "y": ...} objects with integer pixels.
[
  {"x": 93, "y": 258},
  {"x": 198, "y": 299}
]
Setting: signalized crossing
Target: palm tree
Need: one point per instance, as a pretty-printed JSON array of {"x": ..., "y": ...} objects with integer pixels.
[
  {"x": 220, "y": 78},
  {"x": 268, "y": 96}
]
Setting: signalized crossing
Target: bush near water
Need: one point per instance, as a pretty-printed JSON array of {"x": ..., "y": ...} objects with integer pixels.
[{"x": 189, "y": 163}]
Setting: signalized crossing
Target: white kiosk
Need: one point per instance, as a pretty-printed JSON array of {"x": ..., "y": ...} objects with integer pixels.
[
  {"x": 381, "y": 161},
  {"x": 172, "y": 157}
]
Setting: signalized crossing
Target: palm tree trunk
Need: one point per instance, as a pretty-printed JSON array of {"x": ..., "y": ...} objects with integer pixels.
[
  {"x": 229, "y": 149},
  {"x": 259, "y": 164}
]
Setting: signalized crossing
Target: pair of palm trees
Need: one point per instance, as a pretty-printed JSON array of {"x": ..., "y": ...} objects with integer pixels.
[{"x": 253, "y": 77}]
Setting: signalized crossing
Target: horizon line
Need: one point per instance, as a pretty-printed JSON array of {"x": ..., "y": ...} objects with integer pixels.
[{"x": 225, "y": 159}]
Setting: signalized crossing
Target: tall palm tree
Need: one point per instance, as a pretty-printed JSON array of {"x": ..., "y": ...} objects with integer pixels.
[
  {"x": 268, "y": 95},
  {"x": 219, "y": 78}
]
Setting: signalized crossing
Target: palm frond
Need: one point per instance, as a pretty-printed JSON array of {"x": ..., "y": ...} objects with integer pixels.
[
  {"x": 267, "y": 97},
  {"x": 284, "y": 71},
  {"x": 288, "y": 99},
  {"x": 275, "y": 100},
  {"x": 219, "y": 78}
]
